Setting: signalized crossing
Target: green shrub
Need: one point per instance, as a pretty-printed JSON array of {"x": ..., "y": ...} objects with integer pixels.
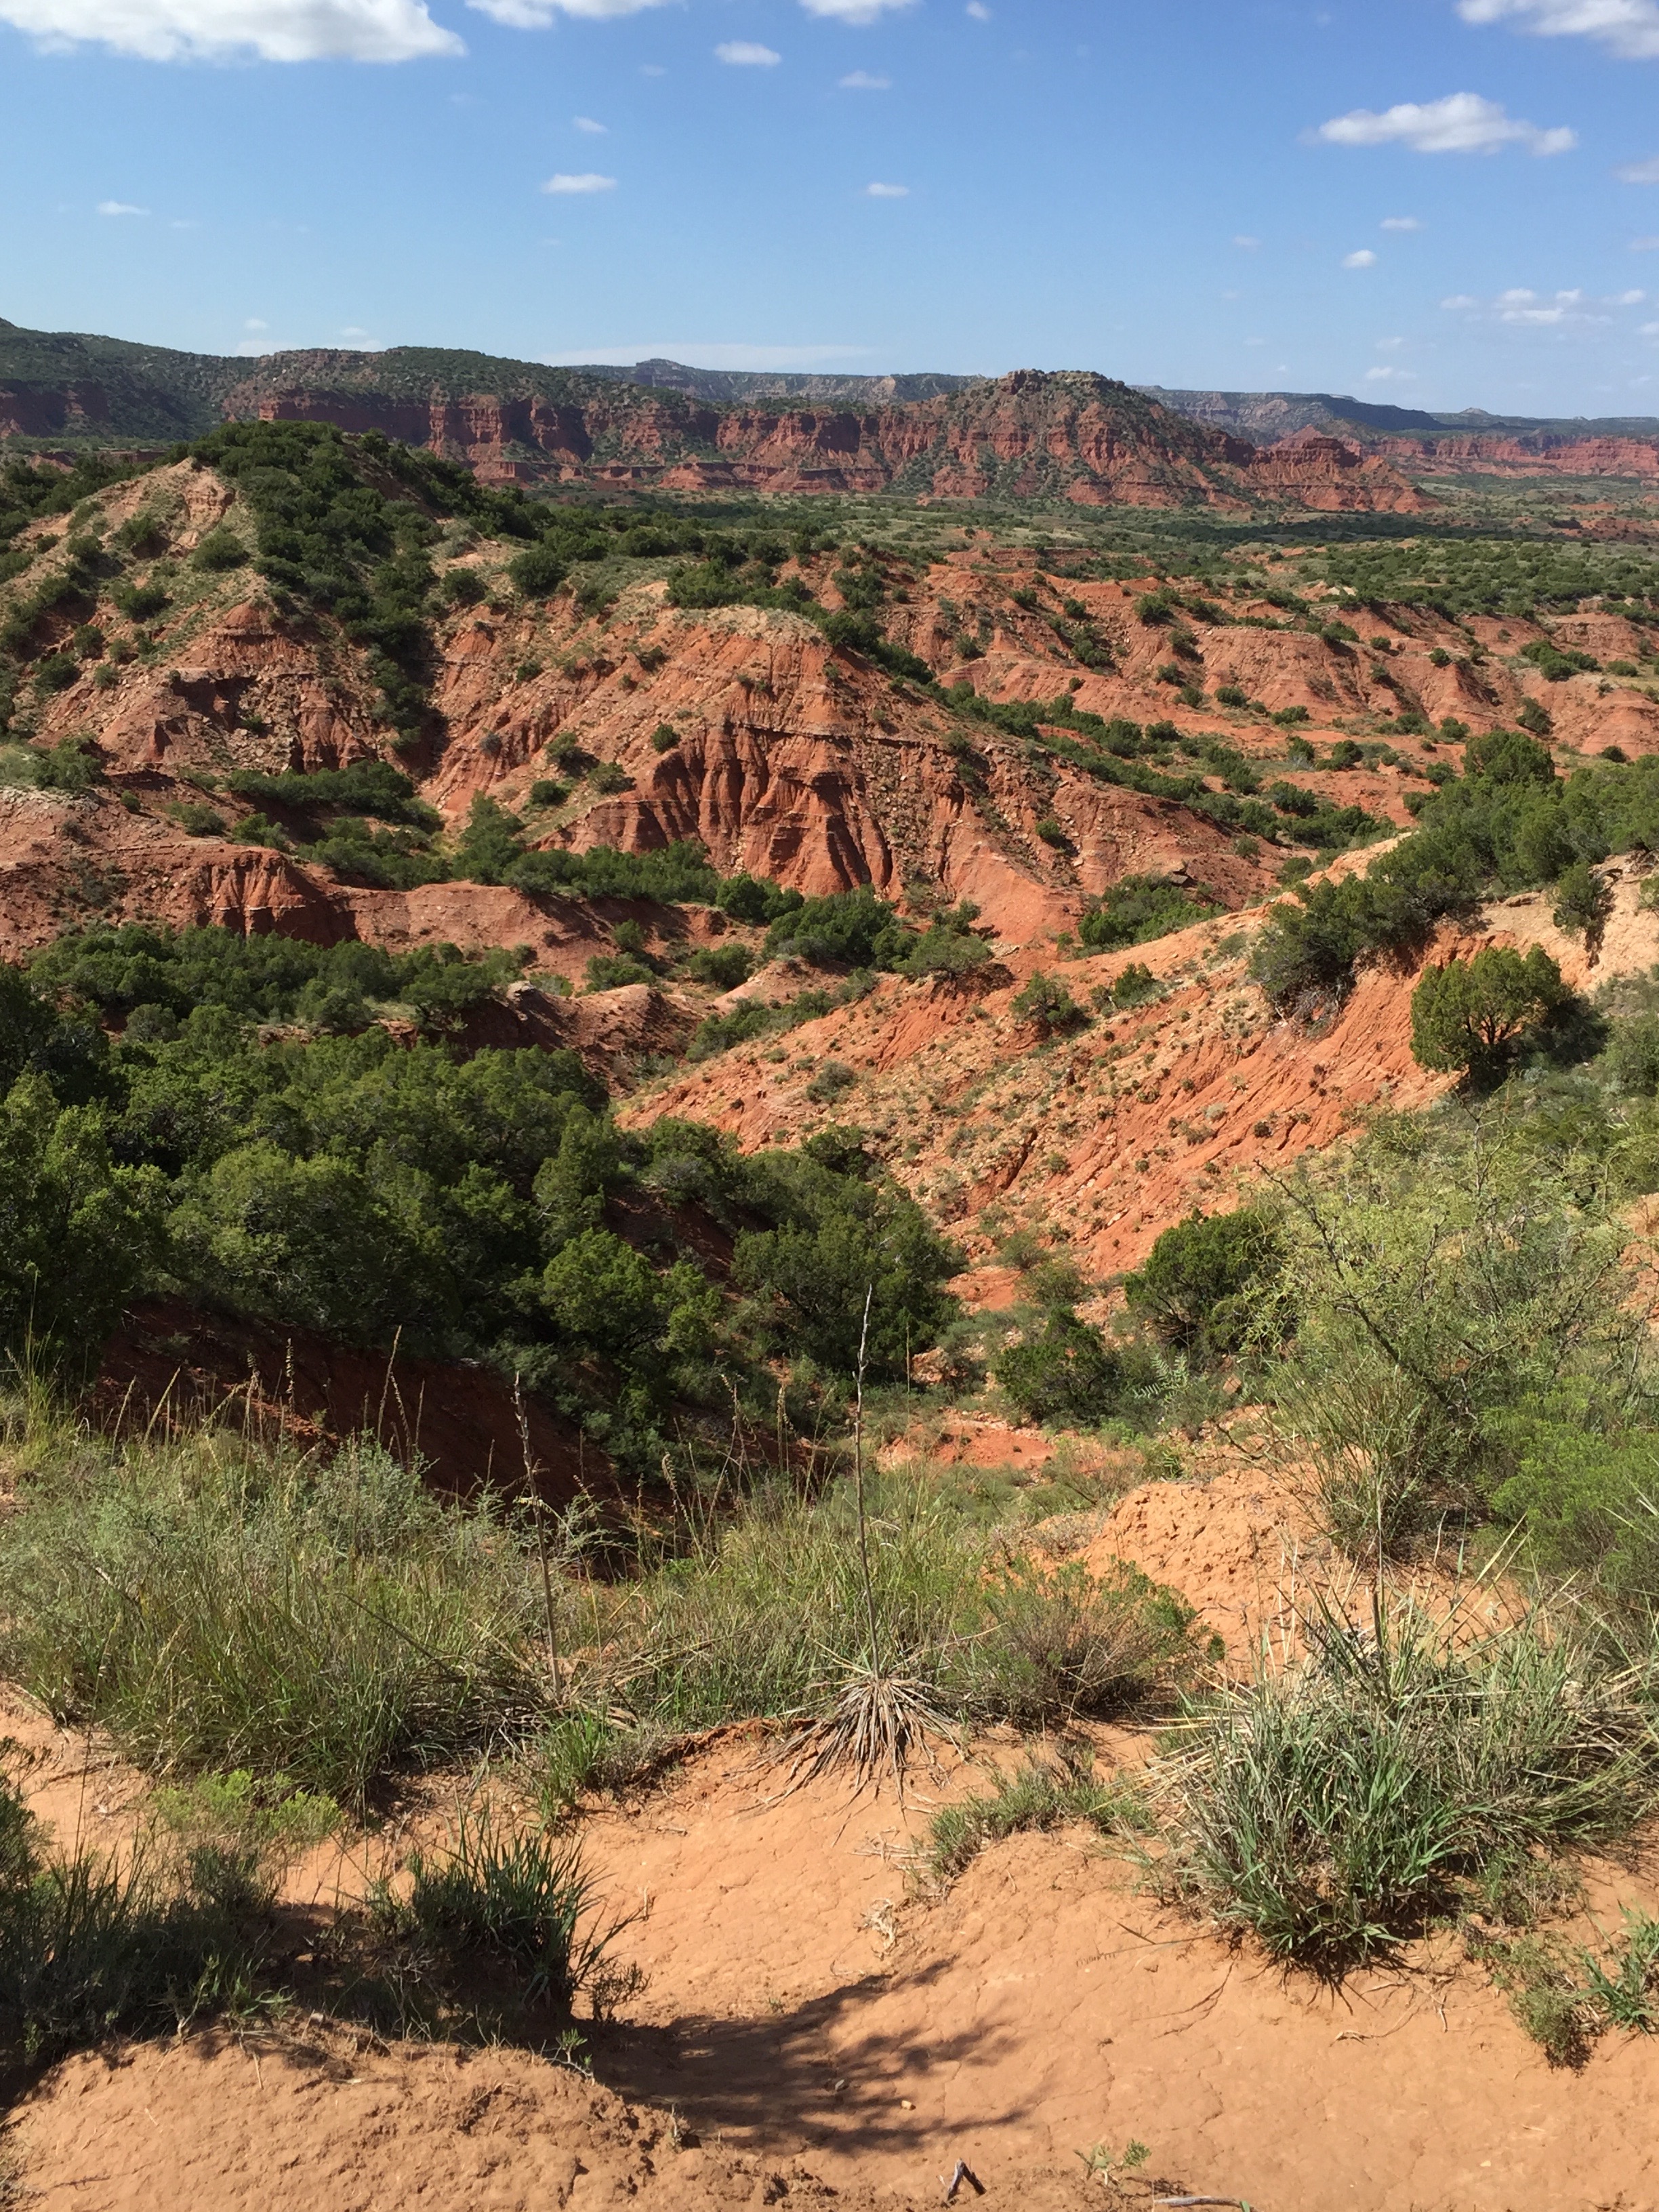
[
  {"x": 78, "y": 1233},
  {"x": 196, "y": 818},
  {"x": 612, "y": 972},
  {"x": 368, "y": 786},
  {"x": 1472, "y": 1017},
  {"x": 1135, "y": 985},
  {"x": 665, "y": 737},
  {"x": 853, "y": 929},
  {"x": 1066, "y": 1372},
  {"x": 56, "y": 672},
  {"x": 1431, "y": 1294},
  {"x": 1047, "y": 1005},
  {"x": 722, "y": 967},
  {"x": 142, "y": 602},
  {"x": 833, "y": 1081},
  {"x": 1205, "y": 1280},
  {"x": 1632, "y": 1059},
  {"x": 1583, "y": 904},
  {"x": 1138, "y": 909},
  {"x": 218, "y": 549}
]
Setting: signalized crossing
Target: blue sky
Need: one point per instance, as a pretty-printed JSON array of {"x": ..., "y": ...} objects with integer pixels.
[{"x": 1446, "y": 202}]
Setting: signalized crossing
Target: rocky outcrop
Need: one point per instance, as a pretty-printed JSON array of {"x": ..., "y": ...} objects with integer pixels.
[
  {"x": 1030, "y": 436},
  {"x": 1538, "y": 454}
]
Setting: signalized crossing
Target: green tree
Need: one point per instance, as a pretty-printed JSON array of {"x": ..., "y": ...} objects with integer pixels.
[
  {"x": 1469, "y": 1017},
  {"x": 1584, "y": 904},
  {"x": 78, "y": 1234},
  {"x": 600, "y": 1292},
  {"x": 1205, "y": 1279}
]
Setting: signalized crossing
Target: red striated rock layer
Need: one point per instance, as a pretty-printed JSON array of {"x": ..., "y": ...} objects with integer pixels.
[
  {"x": 1030, "y": 436},
  {"x": 1535, "y": 453}
]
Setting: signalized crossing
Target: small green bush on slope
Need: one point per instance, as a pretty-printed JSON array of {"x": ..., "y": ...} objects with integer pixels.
[{"x": 1441, "y": 1286}]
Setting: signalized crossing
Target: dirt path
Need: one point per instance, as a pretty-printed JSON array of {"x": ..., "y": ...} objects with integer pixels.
[{"x": 804, "y": 2019}]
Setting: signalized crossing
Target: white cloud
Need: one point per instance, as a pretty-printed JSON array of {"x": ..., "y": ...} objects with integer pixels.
[
  {"x": 1522, "y": 308},
  {"x": 1364, "y": 259},
  {"x": 588, "y": 127},
  {"x": 1400, "y": 222},
  {"x": 854, "y": 11},
  {"x": 1631, "y": 28},
  {"x": 1639, "y": 173},
  {"x": 1645, "y": 246},
  {"x": 254, "y": 322},
  {"x": 861, "y": 80},
  {"x": 887, "y": 191},
  {"x": 273, "y": 30},
  {"x": 1462, "y": 122},
  {"x": 1389, "y": 345},
  {"x": 1390, "y": 376},
  {"x": 537, "y": 15},
  {"x": 120, "y": 207},
  {"x": 351, "y": 330},
  {"x": 1247, "y": 242},
  {"x": 572, "y": 185},
  {"x": 1650, "y": 331},
  {"x": 979, "y": 11},
  {"x": 744, "y": 53}
]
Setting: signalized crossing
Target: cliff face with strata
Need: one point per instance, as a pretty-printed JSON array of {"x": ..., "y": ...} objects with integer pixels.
[
  {"x": 740, "y": 726},
  {"x": 1542, "y": 453},
  {"x": 1028, "y": 436}
]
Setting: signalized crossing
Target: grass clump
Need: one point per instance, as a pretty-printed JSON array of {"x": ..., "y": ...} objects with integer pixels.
[
  {"x": 766, "y": 1617},
  {"x": 1565, "y": 1996},
  {"x": 523, "y": 1901},
  {"x": 218, "y": 1608},
  {"x": 1338, "y": 1807},
  {"x": 88, "y": 1948},
  {"x": 1037, "y": 1796}
]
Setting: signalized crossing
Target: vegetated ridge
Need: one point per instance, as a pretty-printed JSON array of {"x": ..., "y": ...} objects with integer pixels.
[{"x": 1073, "y": 436}]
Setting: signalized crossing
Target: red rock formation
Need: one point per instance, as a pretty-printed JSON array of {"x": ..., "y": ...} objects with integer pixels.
[
  {"x": 37, "y": 411},
  {"x": 1533, "y": 453},
  {"x": 1031, "y": 434}
]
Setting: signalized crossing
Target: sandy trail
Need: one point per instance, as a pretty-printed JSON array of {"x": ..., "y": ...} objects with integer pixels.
[{"x": 820, "y": 2019}]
